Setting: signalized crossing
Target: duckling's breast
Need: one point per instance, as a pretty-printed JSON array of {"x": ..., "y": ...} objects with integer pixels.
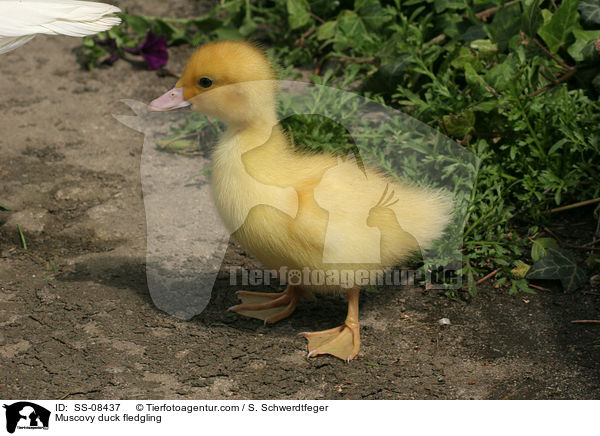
[{"x": 241, "y": 198}]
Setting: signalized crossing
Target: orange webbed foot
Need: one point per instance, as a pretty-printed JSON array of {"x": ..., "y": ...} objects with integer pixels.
[
  {"x": 342, "y": 342},
  {"x": 268, "y": 306}
]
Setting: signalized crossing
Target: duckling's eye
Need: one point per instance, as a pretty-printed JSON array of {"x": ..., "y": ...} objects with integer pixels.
[{"x": 205, "y": 82}]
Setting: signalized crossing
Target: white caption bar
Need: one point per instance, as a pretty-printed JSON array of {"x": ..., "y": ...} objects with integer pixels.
[{"x": 148, "y": 417}]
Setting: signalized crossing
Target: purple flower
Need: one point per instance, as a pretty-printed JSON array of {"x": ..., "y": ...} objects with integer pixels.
[{"x": 154, "y": 50}]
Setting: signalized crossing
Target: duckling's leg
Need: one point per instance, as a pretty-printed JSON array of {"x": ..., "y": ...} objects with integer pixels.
[
  {"x": 342, "y": 341},
  {"x": 268, "y": 306}
]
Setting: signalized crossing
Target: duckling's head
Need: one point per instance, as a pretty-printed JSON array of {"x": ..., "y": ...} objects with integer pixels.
[{"x": 233, "y": 81}]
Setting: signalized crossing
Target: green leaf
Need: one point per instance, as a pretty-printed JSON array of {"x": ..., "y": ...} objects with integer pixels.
[
  {"x": 4, "y": 208},
  {"x": 326, "y": 30},
  {"x": 501, "y": 76},
  {"x": 459, "y": 125},
  {"x": 523, "y": 285},
  {"x": 351, "y": 32},
  {"x": 350, "y": 24},
  {"x": 464, "y": 57},
  {"x": 472, "y": 33},
  {"x": 88, "y": 42},
  {"x": 228, "y": 33},
  {"x": 591, "y": 51},
  {"x": 475, "y": 80},
  {"x": 582, "y": 39},
  {"x": 373, "y": 14},
  {"x": 177, "y": 145},
  {"x": 531, "y": 20},
  {"x": 540, "y": 247},
  {"x": 137, "y": 24},
  {"x": 590, "y": 12},
  {"x": 298, "y": 13},
  {"x": 506, "y": 25},
  {"x": 207, "y": 24},
  {"x": 472, "y": 285},
  {"x": 248, "y": 27},
  {"x": 520, "y": 270},
  {"x": 174, "y": 34},
  {"x": 484, "y": 46},
  {"x": 486, "y": 106},
  {"x": 442, "y": 5},
  {"x": 561, "y": 25},
  {"x": 559, "y": 264}
]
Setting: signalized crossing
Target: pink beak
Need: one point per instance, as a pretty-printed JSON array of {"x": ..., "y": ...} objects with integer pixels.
[{"x": 170, "y": 100}]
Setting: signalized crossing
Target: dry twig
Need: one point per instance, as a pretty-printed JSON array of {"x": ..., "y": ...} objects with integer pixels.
[
  {"x": 489, "y": 276},
  {"x": 484, "y": 15},
  {"x": 574, "y": 205}
]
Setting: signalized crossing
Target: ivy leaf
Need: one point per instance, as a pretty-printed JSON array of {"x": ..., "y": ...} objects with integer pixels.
[
  {"x": 464, "y": 57},
  {"x": 591, "y": 51},
  {"x": 501, "y": 76},
  {"x": 583, "y": 37},
  {"x": 560, "y": 26},
  {"x": 298, "y": 13},
  {"x": 559, "y": 264},
  {"x": 326, "y": 31},
  {"x": 373, "y": 14},
  {"x": 484, "y": 46},
  {"x": 505, "y": 26},
  {"x": 475, "y": 81},
  {"x": 531, "y": 20},
  {"x": 590, "y": 12},
  {"x": 540, "y": 247},
  {"x": 351, "y": 32}
]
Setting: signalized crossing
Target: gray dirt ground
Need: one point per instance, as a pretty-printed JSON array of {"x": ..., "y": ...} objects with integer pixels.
[{"x": 88, "y": 329}]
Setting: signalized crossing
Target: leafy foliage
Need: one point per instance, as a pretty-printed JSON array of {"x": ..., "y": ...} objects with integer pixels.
[{"x": 559, "y": 264}]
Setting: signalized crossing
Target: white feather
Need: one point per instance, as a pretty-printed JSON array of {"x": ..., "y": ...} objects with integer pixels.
[{"x": 21, "y": 20}]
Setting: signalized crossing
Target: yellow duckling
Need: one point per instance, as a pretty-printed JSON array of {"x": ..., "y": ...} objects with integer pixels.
[{"x": 296, "y": 211}]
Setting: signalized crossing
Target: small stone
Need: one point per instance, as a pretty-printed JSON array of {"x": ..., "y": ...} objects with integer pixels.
[
  {"x": 11, "y": 350},
  {"x": 33, "y": 220},
  {"x": 444, "y": 321}
]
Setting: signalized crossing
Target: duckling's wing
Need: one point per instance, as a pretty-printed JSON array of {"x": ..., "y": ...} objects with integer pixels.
[{"x": 20, "y": 20}]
